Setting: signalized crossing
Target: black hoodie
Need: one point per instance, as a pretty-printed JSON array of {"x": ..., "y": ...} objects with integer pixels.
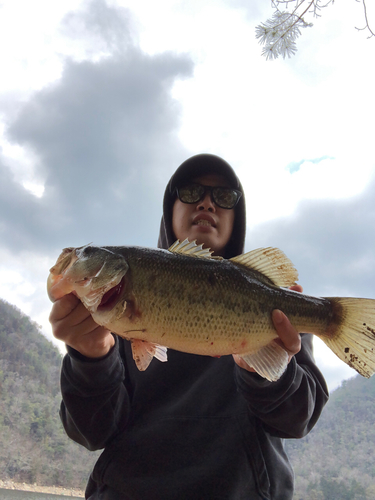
[
  {"x": 195, "y": 427},
  {"x": 193, "y": 167}
]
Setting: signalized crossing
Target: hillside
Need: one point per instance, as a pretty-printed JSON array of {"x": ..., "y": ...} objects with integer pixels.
[
  {"x": 336, "y": 461},
  {"x": 33, "y": 445}
]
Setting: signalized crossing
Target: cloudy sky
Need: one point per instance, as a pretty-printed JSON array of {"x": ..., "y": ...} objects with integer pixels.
[{"x": 100, "y": 101}]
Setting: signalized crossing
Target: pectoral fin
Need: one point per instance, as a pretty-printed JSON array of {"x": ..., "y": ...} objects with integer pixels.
[
  {"x": 270, "y": 362},
  {"x": 144, "y": 351}
]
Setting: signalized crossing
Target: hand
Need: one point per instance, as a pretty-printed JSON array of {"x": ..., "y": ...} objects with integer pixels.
[
  {"x": 289, "y": 338},
  {"x": 73, "y": 324}
]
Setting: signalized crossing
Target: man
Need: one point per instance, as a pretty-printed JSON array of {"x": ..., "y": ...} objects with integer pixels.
[{"x": 195, "y": 427}]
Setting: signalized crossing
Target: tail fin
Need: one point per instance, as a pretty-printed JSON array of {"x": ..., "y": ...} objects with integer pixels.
[{"x": 354, "y": 341}]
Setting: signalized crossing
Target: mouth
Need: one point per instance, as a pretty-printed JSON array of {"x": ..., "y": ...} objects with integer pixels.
[
  {"x": 204, "y": 220},
  {"x": 110, "y": 298}
]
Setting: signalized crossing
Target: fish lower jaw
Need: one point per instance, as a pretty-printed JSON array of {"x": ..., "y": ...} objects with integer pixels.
[
  {"x": 93, "y": 300},
  {"x": 114, "y": 319},
  {"x": 104, "y": 299},
  {"x": 91, "y": 303}
]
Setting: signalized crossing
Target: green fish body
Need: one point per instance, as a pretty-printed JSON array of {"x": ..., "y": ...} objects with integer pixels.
[{"x": 187, "y": 300}]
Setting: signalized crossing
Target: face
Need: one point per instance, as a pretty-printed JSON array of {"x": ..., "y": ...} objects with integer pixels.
[{"x": 204, "y": 221}]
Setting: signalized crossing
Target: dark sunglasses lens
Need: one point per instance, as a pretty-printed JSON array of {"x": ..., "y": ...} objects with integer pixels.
[
  {"x": 191, "y": 193},
  {"x": 225, "y": 197}
]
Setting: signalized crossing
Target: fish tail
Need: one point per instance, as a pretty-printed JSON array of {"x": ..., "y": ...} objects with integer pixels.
[{"x": 353, "y": 339}]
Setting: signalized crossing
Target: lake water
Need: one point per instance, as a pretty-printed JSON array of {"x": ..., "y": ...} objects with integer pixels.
[{"x": 31, "y": 495}]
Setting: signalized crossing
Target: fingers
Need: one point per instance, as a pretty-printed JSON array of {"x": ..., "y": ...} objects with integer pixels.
[
  {"x": 64, "y": 306},
  {"x": 68, "y": 313},
  {"x": 289, "y": 338},
  {"x": 93, "y": 344},
  {"x": 73, "y": 324}
]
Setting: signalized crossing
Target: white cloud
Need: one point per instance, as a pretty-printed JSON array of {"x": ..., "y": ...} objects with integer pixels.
[{"x": 28, "y": 35}]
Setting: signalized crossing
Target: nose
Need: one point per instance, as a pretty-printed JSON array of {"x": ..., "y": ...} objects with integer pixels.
[{"x": 206, "y": 203}]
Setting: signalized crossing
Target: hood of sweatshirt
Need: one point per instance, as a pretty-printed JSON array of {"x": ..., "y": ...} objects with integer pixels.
[{"x": 195, "y": 166}]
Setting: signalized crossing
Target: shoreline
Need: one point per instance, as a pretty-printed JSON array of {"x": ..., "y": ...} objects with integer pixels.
[{"x": 53, "y": 490}]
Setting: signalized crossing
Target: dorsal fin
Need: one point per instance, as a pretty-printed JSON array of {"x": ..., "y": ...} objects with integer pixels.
[
  {"x": 271, "y": 262},
  {"x": 191, "y": 249}
]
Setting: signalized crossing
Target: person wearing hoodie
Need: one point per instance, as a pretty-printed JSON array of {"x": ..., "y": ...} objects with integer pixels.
[{"x": 195, "y": 427}]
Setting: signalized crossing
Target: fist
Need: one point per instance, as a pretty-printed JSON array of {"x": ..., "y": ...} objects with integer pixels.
[{"x": 73, "y": 324}]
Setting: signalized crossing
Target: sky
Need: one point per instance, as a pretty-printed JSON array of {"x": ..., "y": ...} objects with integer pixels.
[{"x": 100, "y": 101}]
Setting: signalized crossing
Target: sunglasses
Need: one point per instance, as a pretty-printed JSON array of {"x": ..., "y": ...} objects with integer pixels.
[{"x": 224, "y": 197}]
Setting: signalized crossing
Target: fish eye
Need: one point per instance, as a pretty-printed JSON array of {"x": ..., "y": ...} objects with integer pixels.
[
  {"x": 85, "y": 251},
  {"x": 88, "y": 251}
]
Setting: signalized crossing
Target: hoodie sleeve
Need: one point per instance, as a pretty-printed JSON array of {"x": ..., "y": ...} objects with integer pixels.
[
  {"x": 290, "y": 407},
  {"x": 95, "y": 403}
]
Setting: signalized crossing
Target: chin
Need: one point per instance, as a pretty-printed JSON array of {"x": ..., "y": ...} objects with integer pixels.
[{"x": 209, "y": 243}]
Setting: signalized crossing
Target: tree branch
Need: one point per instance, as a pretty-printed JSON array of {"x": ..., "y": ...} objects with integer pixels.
[
  {"x": 366, "y": 19},
  {"x": 279, "y": 33}
]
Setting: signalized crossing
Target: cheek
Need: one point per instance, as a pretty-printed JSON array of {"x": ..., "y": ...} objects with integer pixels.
[
  {"x": 229, "y": 222},
  {"x": 179, "y": 218}
]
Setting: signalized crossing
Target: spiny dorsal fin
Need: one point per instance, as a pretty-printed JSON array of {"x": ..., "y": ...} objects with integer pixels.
[
  {"x": 271, "y": 262},
  {"x": 191, "y": 249}
]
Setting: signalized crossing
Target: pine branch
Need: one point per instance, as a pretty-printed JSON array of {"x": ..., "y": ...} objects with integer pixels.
[{"x": 279, "y": 33}]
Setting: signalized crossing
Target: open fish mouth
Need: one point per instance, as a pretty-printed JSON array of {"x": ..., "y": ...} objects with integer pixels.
[{"x": 111, "y": 297}]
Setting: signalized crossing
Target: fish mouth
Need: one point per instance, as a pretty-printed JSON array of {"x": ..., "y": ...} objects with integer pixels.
[{"x": 111, "y": 297}]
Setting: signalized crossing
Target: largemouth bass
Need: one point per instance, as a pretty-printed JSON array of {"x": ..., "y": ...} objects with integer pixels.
[{"x": 185, "y": 299}]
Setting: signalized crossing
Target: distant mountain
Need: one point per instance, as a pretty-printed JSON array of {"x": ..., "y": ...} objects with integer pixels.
[
  {"x": 336, "y": 461},
  {"x": 33, "y": 445}
]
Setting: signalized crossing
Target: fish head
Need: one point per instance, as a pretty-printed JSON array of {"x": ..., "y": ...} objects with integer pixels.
[{"x": 94, "y": 274}]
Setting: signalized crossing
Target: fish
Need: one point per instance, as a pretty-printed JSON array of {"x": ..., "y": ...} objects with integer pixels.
[{"x": 186, "y": 299}]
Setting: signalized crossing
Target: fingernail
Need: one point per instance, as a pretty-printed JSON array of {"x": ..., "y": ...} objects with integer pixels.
[{"x": 278, "y": 316}]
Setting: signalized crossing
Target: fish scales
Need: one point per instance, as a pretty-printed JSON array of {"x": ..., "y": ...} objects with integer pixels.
[
  {"x": 206, "y": 306},
  {"x": 200, "y": 310}
]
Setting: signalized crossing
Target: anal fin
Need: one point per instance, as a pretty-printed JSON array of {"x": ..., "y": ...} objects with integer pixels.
[
  {"x": 270, "y": 362},
  {"x": 144, "y": 352}
]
